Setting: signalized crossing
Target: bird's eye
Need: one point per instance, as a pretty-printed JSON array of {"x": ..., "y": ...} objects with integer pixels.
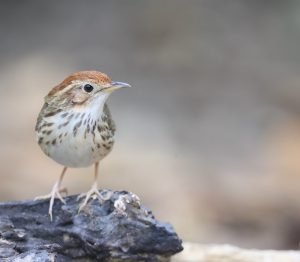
[{"x": 88, "y": 88}]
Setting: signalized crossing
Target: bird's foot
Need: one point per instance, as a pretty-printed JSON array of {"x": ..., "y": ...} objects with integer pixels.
[
  {"x": 92, "y": 193},
  {"x": 58, "y": 195},
  {"x": 55, "y": 193}
]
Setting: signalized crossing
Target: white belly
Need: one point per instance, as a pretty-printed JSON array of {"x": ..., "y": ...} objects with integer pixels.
[{"x": 78, "y": 150}]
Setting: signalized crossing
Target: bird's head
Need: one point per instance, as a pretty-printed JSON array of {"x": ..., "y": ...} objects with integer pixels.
[{"x": 83, "y": 88}]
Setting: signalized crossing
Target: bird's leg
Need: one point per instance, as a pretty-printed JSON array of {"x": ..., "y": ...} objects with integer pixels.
[
  {"x": 93, "y": 192},
  {"x": 55, "y": 193}
]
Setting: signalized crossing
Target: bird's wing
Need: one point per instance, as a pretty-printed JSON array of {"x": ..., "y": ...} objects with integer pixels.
[{"x": 110, "y": 121}]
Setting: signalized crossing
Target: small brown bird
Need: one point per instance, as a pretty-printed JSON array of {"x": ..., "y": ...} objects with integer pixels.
[{"x": 75, "y": 127}]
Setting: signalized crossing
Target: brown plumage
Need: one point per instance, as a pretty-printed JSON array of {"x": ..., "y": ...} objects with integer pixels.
[{"x": 93, "y": 76}]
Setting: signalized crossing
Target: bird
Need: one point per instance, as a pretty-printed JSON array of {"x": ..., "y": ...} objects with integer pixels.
[{"x": 75, "y": 128}]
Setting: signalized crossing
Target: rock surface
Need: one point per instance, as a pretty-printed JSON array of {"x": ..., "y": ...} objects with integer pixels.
[{"x": 119, "y": 229}]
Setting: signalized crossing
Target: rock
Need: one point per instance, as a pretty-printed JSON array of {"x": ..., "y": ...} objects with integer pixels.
[{"x": 119, "y": 229}]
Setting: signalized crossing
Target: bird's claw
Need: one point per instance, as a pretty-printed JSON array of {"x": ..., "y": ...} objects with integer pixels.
[
  {"x": 58, "y": 195},
  {"x": 92, "y": 193},
  {"x": 55, "y": 193}
]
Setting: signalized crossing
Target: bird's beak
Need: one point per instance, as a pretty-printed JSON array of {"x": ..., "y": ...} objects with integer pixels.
[{"x": 114, "y": 86}]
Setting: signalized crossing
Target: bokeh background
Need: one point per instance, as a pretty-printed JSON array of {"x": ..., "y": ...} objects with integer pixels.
[{"x": 209, "y": 138}]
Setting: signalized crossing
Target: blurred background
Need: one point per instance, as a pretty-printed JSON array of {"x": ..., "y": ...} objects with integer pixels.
[{"x": 209, "y": 138}]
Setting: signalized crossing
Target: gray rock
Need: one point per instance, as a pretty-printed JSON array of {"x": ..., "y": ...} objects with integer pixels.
[{"x": 119, "y": 229}]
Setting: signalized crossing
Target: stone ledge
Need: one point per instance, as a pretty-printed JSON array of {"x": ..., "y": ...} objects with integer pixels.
[{"x": 119, "y": 229}]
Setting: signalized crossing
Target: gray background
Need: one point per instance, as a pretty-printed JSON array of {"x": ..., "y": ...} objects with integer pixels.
[{"x": 209, "y": 138}]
